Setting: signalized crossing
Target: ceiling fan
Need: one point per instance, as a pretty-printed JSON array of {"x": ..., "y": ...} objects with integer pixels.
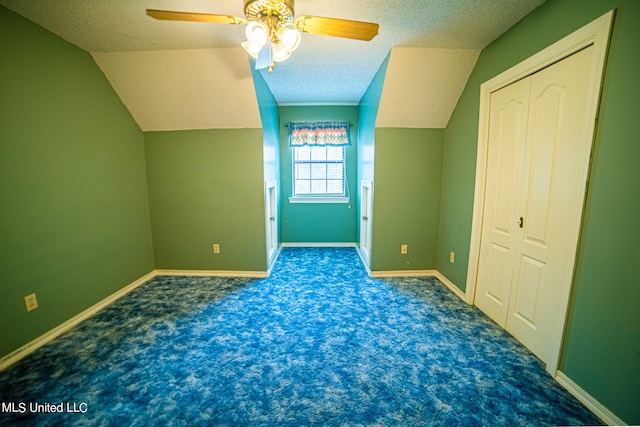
[{"x": 273, "y": 32}]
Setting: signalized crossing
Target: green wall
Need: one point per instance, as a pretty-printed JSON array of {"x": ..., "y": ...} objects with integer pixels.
[
  {"x": 313, "y": 223},
  {"x": 406, "y": 201},
  {"x": 206, "y": 187},
  {"x": 601, "y": 350},
  {"x": 74, "y": 220}
]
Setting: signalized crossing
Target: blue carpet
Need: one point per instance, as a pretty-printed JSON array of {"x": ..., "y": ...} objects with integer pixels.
[{"x": 317, "y": 343}]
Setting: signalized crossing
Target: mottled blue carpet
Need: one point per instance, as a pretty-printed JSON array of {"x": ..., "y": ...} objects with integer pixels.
[{"x": 317, "y": 343}]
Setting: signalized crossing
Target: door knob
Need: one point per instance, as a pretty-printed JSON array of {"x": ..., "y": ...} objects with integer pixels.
[
  {"x": 521, "y": 222},
  {"x": 364, "y": 218}
]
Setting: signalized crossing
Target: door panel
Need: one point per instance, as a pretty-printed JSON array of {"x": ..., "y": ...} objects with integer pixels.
[
  {"x": 546, "y": 113},
  {"x": 554, "y": 159},
  {"x": 510, "y": 126},
  {"x": 527, "y": 295},
  {"x": 507, "y": 127},
  {"x": 499, "y": 275}
]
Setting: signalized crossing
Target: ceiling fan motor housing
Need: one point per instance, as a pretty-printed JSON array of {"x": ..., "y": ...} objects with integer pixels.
[{"x": 256, "y": 10}]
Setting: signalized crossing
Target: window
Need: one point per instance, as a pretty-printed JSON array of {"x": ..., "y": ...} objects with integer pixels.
[
  {"x": 318, "y": 171},
  {"x": 319, "y": 164}
]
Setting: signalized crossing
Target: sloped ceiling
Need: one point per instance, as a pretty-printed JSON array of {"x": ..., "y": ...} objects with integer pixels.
[
  {"x": 184, "y": 89},
  {"x": 422, "y": 86},
  {"x": 183, "y": 75}
]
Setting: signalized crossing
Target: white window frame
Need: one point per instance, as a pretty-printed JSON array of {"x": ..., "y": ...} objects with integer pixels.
[{"x": 319, "y": 197}]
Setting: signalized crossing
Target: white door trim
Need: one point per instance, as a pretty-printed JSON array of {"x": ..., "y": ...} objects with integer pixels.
[
  {"x": 366, "y": 210},
  {"x": 271, "y": 221},
  {"x": 595, "y": 33}
]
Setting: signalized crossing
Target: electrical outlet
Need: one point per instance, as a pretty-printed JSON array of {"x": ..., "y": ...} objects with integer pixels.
[
  {"x": 452, "y": 257},
  {"x": 31, "y": 302},
  {"x": 216, "y": 248},
  {"x": 403, "y": 249}
]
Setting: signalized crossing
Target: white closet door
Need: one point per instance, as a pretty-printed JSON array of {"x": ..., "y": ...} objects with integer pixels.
[
  {"x": 505, "y": 160},
  {"x": 549, "y": 203},
  {"x": 536, "y": 159}
]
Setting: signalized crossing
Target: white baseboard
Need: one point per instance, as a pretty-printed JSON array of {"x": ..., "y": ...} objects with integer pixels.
[
  {"x": 32, "y": 346},
  {"x": 452, "y": 287},
  {"x": 318, "y": 245},
  {"x": 587, "y": 400},
  {"x": 272, "y": 261},
  {"x": 364, "y": 260},
  {"x": 211, "y": 273},
  {"x": 404, "y": 273},
  {"x": 422, "y": 273}
]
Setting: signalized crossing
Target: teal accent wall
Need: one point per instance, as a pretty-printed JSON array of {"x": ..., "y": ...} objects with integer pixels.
[
  {"x": 74, "y": 221},
  {"x": 601, "y": 351},
  {"x": 406, "y": 208},
  {"x": 206, "y": 187},
  {"x": 369, "y": 105},
  {"x": 313, "y": 223},
  {"x": 269, "y": 116}
]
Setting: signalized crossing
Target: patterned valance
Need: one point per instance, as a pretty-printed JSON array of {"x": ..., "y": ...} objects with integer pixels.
[{"x": 319, "y": 133}]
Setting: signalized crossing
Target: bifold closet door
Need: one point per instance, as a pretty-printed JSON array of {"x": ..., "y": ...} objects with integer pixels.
[
  {"x": 505, "y": 161},
  {"x": 536, "y": 158}
]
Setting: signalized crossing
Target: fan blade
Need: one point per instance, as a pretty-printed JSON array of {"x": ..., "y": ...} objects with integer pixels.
[
  {"x": 169, "y": 15},
  {"x": 337, "y": 27}
]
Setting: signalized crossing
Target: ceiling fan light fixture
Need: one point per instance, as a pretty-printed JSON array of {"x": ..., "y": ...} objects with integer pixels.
[
  {"x": 273, "y": 32},
  {"x": 257, "y": 33},
  {"x": 254, "y": 10},
  {"x": 252, "y": 50},
  {"x": 257, "y": 37},
  {"x": 281, "y": 39},
  {"x": 289, "y": 37},
  {"x": 286, "y": 41},
  {"x": 280, "y": 52}
]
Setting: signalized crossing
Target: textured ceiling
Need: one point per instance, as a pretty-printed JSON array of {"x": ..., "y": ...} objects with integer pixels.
[{"x": 324, "y": 70}]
